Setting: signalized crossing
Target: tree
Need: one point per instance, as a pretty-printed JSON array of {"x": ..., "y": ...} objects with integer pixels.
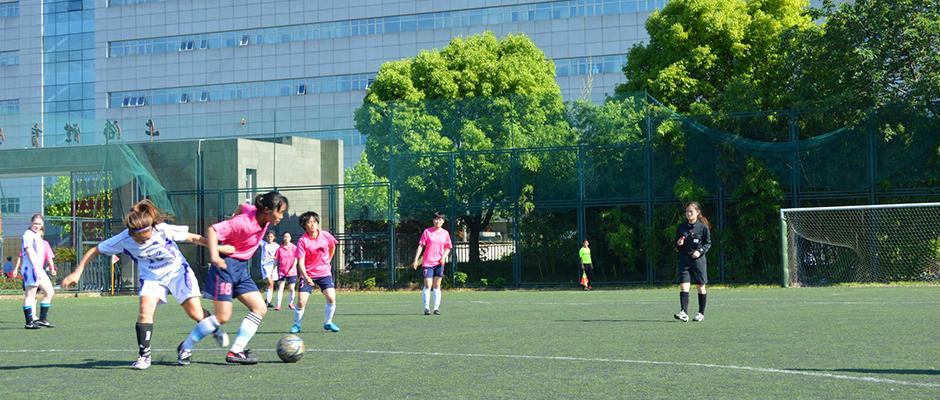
[
  {"x": 58, "y": 202},
  {"x": 476, "y": 93},
  {"x": 365, "y": 203}
]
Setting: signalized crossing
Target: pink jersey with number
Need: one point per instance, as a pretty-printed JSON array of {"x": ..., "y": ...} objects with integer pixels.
[
  {"x": 316, "y": 253},
  {"x": 286, "y": 257},
  {"x": 435, "y": 241},
  {"x": 243, "y": 232}
]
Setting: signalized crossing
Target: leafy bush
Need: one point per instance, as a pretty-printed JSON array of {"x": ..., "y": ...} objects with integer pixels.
[
  {"x": 461, "y": 278},
  {"x": 369, "y": 283},
  {"x": 484, "y": 282},
  {"x": 499, "y": 282}
]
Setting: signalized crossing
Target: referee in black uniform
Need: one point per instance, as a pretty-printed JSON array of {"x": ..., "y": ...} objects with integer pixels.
[{"x": 693, "y": 239}]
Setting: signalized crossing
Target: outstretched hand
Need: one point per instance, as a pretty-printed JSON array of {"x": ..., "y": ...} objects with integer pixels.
[{"x": 70, "y": 280}]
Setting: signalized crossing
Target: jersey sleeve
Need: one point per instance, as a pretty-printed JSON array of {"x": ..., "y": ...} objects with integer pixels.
[
  {"x": 447, "y": 242},
  {"x": 225, "y": 228},
  {"x": 301, "y": 245},
  {"x": 47, "y": 249},
  {"x": 425, "y": 239},
  {"x": 330, "y": 239},
  {"x": 176, "y": 233},
  {"x": 113, "y": 245},
  {"x": 706, "y": 239}
]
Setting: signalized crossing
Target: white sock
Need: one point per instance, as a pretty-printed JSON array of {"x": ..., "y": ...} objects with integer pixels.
[
  {"x": 280, "y": 296},
  {"x": 328, "y": 313},
  {"x": 291, "y": 297},
  {"x": 426, "y": 296},
  {"x": 267, "y": 295},
  {"x": 246, "y": 332},
  {"x": 202, "y": 329},
  {"x": 437, "y": 299},
  {"x": 298, "y": 315}
]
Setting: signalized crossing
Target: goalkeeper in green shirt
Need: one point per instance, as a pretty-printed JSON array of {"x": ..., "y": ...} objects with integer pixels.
[{"x": 585, "y": 255}]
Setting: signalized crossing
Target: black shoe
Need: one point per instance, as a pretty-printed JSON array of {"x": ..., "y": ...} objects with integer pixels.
[
  {"x": 240, "y": 358},
  {"x": 437, "y": 312},
  {"x": 183, "y": 357},
  {"x": 427, "y": 312},
  {"x": 31, "y": 325},
  {"x": 269, "y": 305},
  {"x": 44, "y": 323}
]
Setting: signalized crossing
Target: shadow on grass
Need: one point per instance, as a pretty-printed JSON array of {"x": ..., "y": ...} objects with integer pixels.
[
  {"x": 874, "y": 371},
  {"x": 615, "y": 320},
  {"x": 87, "y": 364}
]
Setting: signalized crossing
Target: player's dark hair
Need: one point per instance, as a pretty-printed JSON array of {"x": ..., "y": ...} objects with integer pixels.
[
  {"x": 36, "y": 216},
  {"x": 143, "y": 214},
  {"x": 306, "y": 217},
  {"x": 9, "y": 258},
  {"x": 270, "y": 201},
  {"x": 440, "y": 215},
  {"x": 698, "y": 207}
]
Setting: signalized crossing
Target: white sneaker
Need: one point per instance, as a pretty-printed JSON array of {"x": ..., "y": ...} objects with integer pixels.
[
  {"x": 682, "y": 316},
  {"x": 699, "y": 317},
  {"x": 141, "y": 363},
  {"x": 220, "y": 337}
]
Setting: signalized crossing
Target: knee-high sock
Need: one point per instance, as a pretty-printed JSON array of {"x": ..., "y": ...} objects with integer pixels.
[
  {"x": 202, "y": 329},
  {"x": 291, "y": 296},
  {"x": 684, "y": 301},
  {"x": 280, "y": 295},
  {"x": 437, "y": 299},
  {"x": 28, "y": 313},
  {"x": 328, "y": 311},
  {"x": 702, "y": 297},
  {"x": 246, "y": 332},
  {"x": 298, "y": 315},
  {"x": 426, "y": 297},
  {"x": 44, "y": 309},
  {"x": 267, "y": 295},
  {"x": 144, "y": 333}
]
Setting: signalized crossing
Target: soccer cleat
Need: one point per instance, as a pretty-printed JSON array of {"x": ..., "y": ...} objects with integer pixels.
[
  {"x": 682, "y": 316},
  {"x": 427, "y": 311},
  {"x": 31, "y": 325},
  {"x": 141, "y": 363},
  {"x": 277, "y": 308},
  {"x": 44, "y": 323},
  {"x": 184, "y": 356},
  {"x": 220, "y": 337},
  {"x": 269, "y": 305},
  {"x": 240, "y": 358},
  {"x": 699, "y": 317},
  {"x": 330, "y": 327},
  {"x": 290, "y": 306},
  {"x": 437, "y": 312},
  {"x": 295, "y": 328}
]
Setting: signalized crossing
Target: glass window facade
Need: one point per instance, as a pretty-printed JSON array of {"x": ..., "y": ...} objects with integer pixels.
[
  {"x": 115, "y": 3},
  {"x": 69, "y": 66},
  {"x": 9, "y": 58},
  {"x": 392, "y": 24},
  {"x": 11, "y": 106},
  {"x": 238, "y": 91},
  {"x": 10, "y": 9},
  {"x": 609, "y": 64}
]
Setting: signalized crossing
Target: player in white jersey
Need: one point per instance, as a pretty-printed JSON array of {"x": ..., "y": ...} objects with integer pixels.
[
  {"x": 34, "y": 277},
  {"x": 269, "y": 265},
  {"x": 151, "y": 242}
]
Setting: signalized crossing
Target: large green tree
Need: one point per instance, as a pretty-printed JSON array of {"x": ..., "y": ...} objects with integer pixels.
[
  {"x": 476, "y": 93},
  {"x": 364, "y": 200}
]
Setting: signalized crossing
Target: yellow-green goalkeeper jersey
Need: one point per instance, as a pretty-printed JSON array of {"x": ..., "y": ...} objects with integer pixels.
[{"x": 585, "y": 254}]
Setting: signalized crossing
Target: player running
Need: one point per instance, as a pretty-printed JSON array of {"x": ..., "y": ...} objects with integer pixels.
[
  {"x": 151, "y": 242},
  {"x": 286, "y": 257},
  {"x": 315, "y": 251}
]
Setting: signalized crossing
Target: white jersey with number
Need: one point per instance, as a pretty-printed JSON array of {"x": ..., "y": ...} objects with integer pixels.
[
  {"x": 267, "y": 253},
  {"x": 158, "y": 259}
]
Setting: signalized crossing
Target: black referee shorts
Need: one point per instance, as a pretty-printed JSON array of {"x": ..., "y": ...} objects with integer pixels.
[{"x": 693, "y": 271}]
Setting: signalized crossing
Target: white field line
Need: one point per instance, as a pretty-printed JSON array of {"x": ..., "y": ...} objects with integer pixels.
[{"x": 816, "y": 374}]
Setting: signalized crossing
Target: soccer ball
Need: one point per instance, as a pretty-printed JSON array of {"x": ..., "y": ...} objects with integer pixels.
[{"x": 290, "y": 348}]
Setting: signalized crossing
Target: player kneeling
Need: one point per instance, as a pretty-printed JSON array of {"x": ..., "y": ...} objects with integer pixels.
[{"x": 152, "y": 244}]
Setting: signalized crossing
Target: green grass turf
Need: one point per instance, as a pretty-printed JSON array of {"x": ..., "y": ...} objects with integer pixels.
[{"x": 887, "y": 334}]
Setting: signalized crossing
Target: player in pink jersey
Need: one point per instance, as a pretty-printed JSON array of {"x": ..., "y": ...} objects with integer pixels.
[
  {"x": 315, "y": 251},
  {"x": 162, "y": 269},
  {"x": 229, "y": 277},
  {"x": 436, "y": 244},
  {"x": 286, "y": 270}
]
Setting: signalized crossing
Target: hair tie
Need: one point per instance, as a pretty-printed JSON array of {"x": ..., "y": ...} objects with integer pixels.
[{"x": 144, "y": 229}]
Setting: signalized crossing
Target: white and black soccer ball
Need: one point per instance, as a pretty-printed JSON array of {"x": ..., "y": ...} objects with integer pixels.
[{"x": 290, "y": 348}]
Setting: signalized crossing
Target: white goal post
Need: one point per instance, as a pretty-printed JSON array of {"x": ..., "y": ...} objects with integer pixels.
[{"x": 877, "y": 243}]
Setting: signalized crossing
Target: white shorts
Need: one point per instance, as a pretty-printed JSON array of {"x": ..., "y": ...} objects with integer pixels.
[
  {"x": 269, "y": 272},
  {"x": 182, "y": 287},
  {"x": 33, "y": 277}
]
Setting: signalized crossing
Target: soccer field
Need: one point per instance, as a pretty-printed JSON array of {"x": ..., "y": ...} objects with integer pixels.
[{"x": 860, "y": 342}]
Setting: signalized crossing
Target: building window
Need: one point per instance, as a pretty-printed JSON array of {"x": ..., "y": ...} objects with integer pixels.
[
  {"x": 9, "y": 58},
  {"x": 251, "y": 182},
  {"x": 184, "y": 98},
  {"x": 10, "y": 106},
  {"x": 10, "y": 205},
  {"x": 244, "y": 41},
  {"x": 10, "y": 9},
  {"x": 204, "y": 96},
  {"x": 301, "y": 89}
]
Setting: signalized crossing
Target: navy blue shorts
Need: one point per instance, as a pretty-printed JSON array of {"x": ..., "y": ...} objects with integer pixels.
[
  {"x": 432, "y": 272},
  {"x": 289, "y": 279},
  {"x": 323, "y": 283},
  {"x": 233, "y": 281}
]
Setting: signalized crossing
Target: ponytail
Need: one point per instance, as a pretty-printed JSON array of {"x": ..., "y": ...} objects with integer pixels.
[
  {"x": 143, "y": 215},
  {"x": 270, "y": 201}
]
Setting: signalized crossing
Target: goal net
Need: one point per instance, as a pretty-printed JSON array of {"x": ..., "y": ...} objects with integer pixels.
[{"x": 885, "y": 243}]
